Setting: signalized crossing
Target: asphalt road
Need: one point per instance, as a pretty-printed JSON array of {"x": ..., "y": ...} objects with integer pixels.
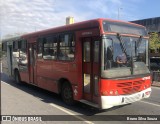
[{"x": 24, "y": 99}]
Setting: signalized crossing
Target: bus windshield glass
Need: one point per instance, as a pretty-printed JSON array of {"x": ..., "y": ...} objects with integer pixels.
[
  {"x": 123, "y": 28},
  {"x": 124, "y": 56}
]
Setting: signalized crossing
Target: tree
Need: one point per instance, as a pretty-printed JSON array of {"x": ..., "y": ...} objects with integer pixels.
[{"x": 154, "y": 42}]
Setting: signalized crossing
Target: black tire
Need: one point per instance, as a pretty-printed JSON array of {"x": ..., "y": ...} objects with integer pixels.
[
  {"x": 17, "y": 77},
  {"x": 67, "y": 94}
]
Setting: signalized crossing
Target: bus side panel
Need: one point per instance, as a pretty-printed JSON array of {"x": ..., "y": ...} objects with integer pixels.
[
  {"x": 50, "y": 71},
  {"x": 45, "y": 75},
  {"x": 24, "y": 76},
  {"x": 66, "y": 70},
  {"x": 47, "y": 84}
]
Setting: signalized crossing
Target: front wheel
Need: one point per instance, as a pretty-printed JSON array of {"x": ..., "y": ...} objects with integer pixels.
[
  {"x": 17, "y": 77},
  {"x": 67, "y": 94}
]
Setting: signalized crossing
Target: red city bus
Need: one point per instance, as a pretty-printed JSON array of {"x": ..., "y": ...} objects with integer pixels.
[{"x": 101, "y": 62}]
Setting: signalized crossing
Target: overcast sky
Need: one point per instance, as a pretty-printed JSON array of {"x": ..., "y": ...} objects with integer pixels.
[{"x": 22, "y": 16}]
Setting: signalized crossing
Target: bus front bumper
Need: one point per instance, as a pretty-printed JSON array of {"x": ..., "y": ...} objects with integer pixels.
[{"x": 110, "y": 101}]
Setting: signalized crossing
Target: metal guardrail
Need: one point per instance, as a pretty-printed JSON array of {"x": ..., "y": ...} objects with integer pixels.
[{"x": 156, "y": 76}]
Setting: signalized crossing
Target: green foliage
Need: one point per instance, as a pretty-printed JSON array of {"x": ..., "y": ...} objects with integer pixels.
[{"x": 154, "y": 41}]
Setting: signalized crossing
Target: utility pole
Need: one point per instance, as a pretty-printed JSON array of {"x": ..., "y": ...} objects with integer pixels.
[{"x": 119, "y": 12}]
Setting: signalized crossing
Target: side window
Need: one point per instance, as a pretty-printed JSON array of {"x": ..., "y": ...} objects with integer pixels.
[
  {"x": 15, "y": 49},
  {"x": 66, "y": 47},
  {"x": 96, "y": 51},
  {"x": 24, "y": 44},
  {"x": 4, "y": 49},
  {"x": 55, "y": 47},
  {"x": 50, "y": 48},
  {"x": 23, "y": 52},
  {"x": 40, "y": 47},
  {"x": 4, "y": 46},
  {"x": 15, "y": 46},
  {"x": 86, "y": 51}
]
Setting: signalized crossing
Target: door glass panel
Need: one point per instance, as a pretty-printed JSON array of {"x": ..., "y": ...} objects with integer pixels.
[
  {"x": 34, "y": 53},
  {"x": 96, "y": 51},
  {"x": 96, "y": 85},
  {"x": 87, "y": 83},
  {"x": 30, "y": 54},
  {"x": 86, "y": 52}
]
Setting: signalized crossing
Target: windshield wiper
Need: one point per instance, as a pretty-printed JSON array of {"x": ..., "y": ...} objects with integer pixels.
[
  {"x": 122, "y": 44},
  {"x": 124, "y": 51},
  {"x": 139, "y": 41}
]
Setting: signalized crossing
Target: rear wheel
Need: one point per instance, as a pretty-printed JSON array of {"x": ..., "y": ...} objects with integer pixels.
[
  {"x": 67, "y": 94},
  {"x": 17, "y": 77}
]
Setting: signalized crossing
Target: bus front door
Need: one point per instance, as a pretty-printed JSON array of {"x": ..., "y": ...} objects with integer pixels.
[
  {"x": 32, "y": 63},
  {"x": 91, "y": 62}
]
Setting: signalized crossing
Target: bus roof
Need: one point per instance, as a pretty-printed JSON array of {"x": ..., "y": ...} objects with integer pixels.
[
  {"x": 79, "y": 25},
  {"x": 70, "y": 27}
]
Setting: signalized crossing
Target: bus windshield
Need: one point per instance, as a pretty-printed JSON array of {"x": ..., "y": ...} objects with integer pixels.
[{"x": 124, "y": 56}]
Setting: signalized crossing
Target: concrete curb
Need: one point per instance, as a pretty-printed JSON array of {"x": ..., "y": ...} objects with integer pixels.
[{"x": 156, "y": 84}]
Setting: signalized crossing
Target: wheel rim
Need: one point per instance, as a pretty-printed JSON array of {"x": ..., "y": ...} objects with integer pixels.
[{"x": 67, "y": 93}]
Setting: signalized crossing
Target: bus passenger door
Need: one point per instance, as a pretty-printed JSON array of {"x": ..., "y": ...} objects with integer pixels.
[
  {"x": 32, "y": 62},
  {"x": 91, "y": 62}
]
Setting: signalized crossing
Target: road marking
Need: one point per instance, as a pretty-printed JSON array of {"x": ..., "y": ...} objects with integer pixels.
[
  {"x": 5, "y": 83},
  {"x": 150, "y": 103},
  {"x": 70, "y": 113}
]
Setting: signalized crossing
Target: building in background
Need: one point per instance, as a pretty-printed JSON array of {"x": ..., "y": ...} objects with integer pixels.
[
  {"x": 69, "y": 20},
  {"x": 152, "y": 24}
]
